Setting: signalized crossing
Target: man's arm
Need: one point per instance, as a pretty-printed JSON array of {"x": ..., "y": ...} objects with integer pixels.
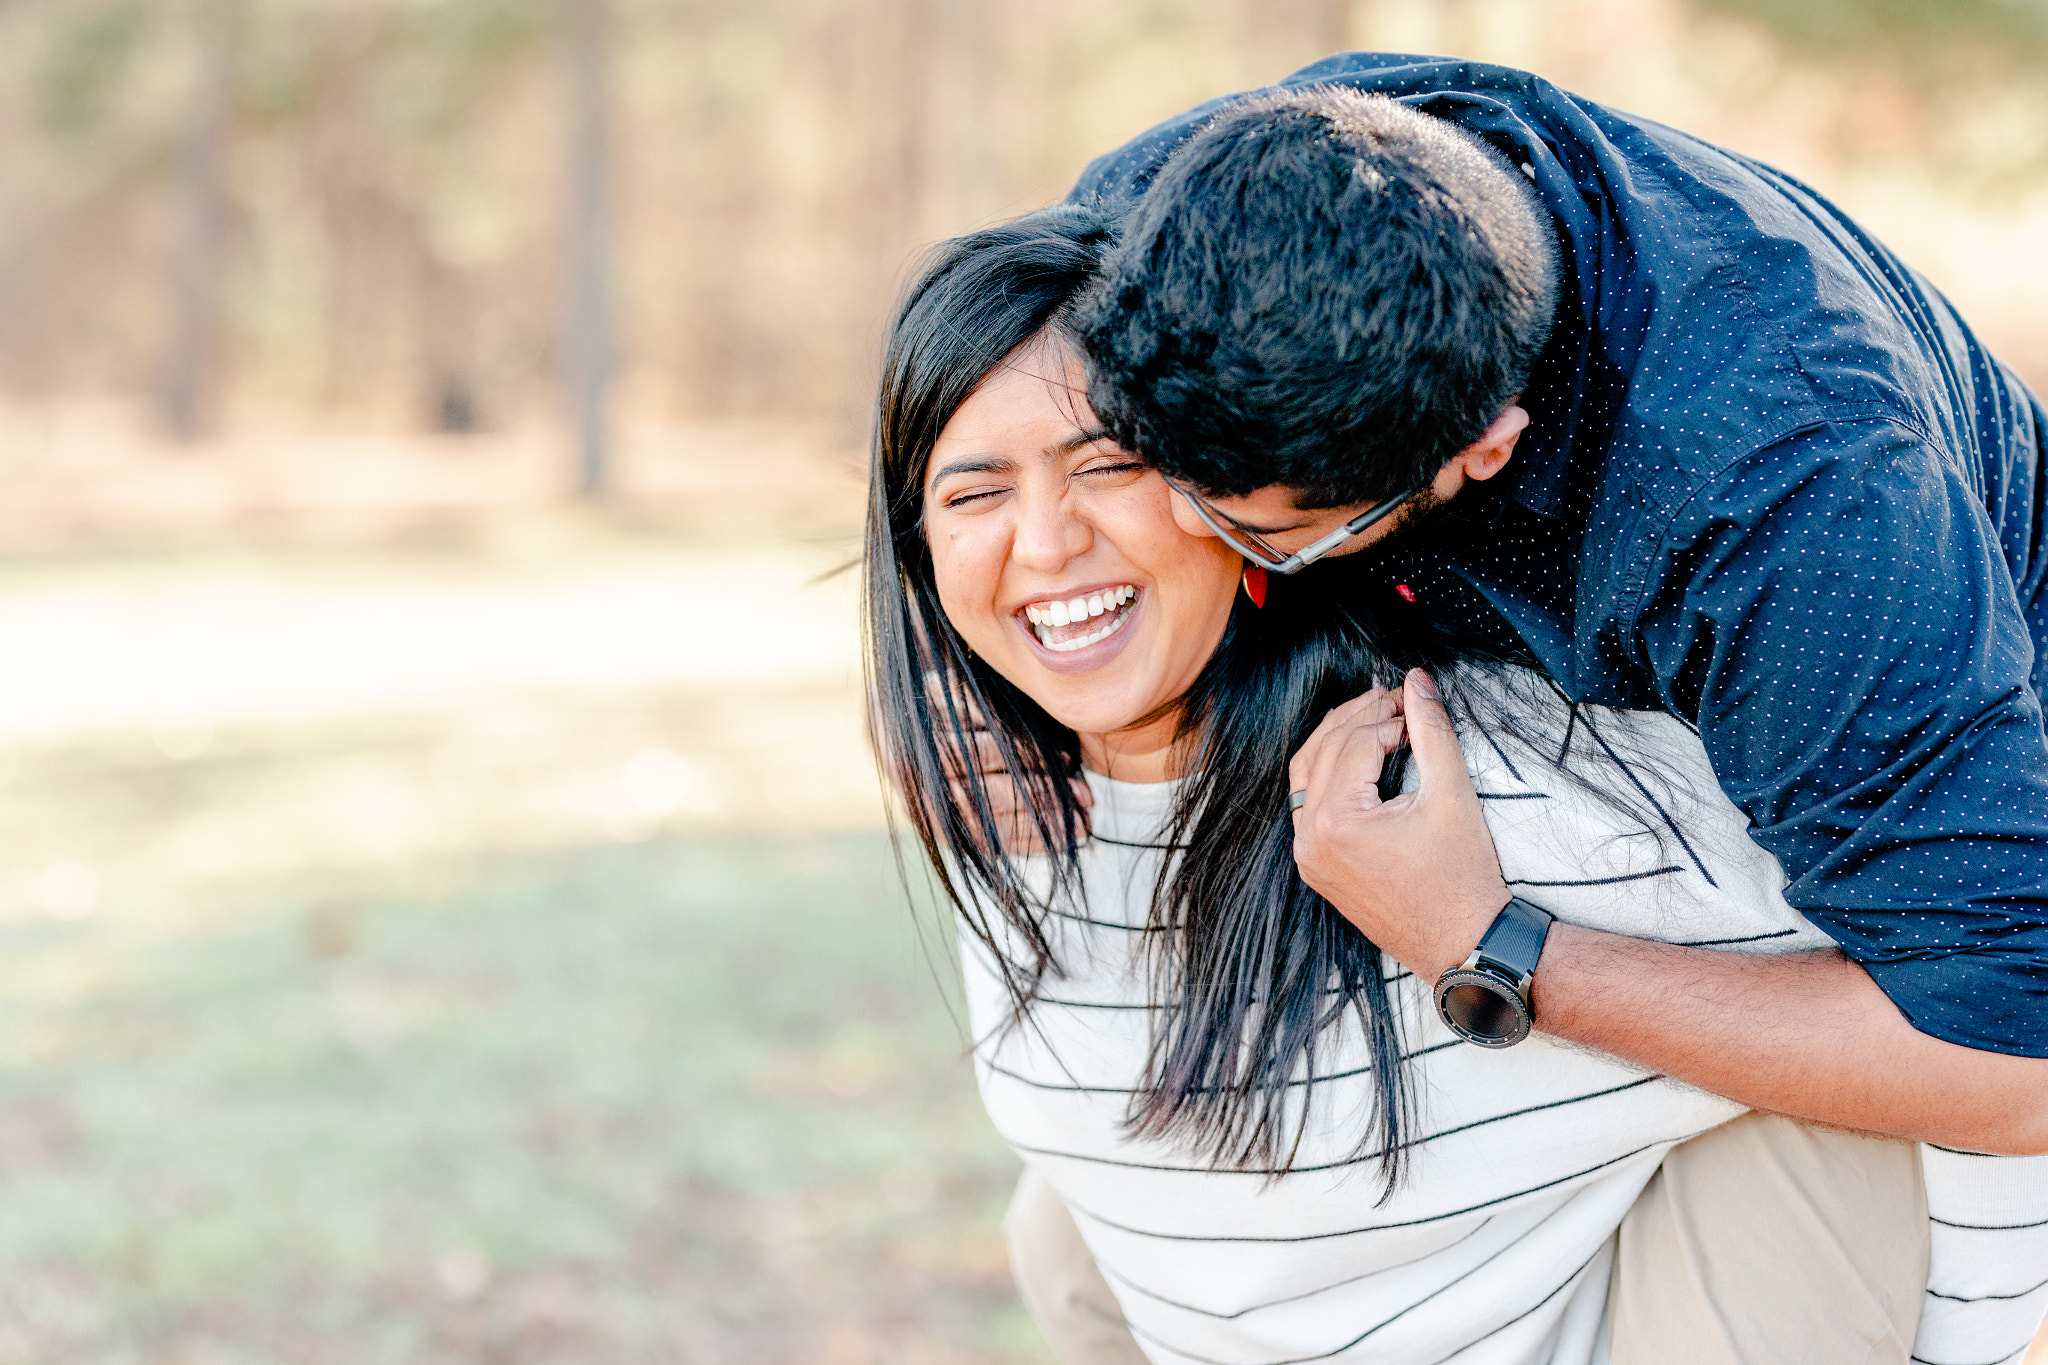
[
  {"x": 1809, "y": 1035},
  {"x": 1804, "y": 1034},
  {"x": 1838, "y": 617}
]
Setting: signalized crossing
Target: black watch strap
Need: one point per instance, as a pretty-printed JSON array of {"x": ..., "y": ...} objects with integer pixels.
[
  {"x": 1515, "y": 939},
  {"x": 1486, "y": 1000}
]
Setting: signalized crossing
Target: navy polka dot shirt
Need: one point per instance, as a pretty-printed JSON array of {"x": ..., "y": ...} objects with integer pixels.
[{"x": 1774, "y": 485}]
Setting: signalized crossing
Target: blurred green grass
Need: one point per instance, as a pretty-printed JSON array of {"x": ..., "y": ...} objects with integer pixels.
[{"x": 691, "y": 1099}]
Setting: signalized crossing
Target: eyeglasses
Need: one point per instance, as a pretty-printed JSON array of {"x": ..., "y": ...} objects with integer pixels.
[{"x": 1252, "y": 547}]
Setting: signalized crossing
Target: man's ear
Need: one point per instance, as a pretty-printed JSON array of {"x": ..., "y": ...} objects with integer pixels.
[{"x": 1490, "y": 454}]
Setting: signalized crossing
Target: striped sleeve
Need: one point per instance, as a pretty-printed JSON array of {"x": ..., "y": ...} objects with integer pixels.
[{"x": 1987, "y": 1283}]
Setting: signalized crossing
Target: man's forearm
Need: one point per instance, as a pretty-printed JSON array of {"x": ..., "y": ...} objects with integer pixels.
[{"x": 1808, "y": 1035}]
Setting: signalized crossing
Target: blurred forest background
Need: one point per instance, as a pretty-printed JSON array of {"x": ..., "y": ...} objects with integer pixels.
[
  {"x": 431, "y": 214},
  {"x": 446, "y": 918}
]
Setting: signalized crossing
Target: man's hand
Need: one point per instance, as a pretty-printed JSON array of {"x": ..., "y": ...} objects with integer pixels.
[
  {"x": 1018, "y": 835},
  {"x": 1808, "y": 1035},
  {"x": 1418, "y": 874}
]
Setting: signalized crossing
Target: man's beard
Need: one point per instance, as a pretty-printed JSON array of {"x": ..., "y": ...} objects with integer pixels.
[{"x": 1413, "y": 525}]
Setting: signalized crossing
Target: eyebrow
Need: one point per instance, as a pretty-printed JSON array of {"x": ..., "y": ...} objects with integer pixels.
[
  {"x": 974, "y": 464},
  {"x": 996, "y": 464}
]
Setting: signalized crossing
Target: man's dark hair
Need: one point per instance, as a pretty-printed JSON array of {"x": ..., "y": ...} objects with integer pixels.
[{"x": 1322, "y": 289}]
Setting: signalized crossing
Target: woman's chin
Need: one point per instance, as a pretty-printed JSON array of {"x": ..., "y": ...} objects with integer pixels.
[{"x": 1093, "y": 698}]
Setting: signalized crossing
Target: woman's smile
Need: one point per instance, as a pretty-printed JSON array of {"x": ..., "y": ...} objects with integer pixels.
[{"x": 1084, "y": 631}]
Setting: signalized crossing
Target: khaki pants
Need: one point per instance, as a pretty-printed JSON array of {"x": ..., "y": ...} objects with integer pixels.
[{"x": 1763, "y": 1242}]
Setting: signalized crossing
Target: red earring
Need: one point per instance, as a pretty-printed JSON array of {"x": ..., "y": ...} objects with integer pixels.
[{"x": 1255, "y": 584}]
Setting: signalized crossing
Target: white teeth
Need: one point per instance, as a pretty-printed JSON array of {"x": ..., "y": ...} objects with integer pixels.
[
  {"x": 1044, "y": 616},
  {"x": 1069, "y": 646}
]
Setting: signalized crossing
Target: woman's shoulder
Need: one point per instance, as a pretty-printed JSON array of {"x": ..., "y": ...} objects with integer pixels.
[
  {"x": 1517, "y": 721},
  {"x": 1615, "y": 820}
]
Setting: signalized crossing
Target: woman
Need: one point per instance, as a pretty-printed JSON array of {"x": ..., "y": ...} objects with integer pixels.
[{"x": 1270, "y": 1144}]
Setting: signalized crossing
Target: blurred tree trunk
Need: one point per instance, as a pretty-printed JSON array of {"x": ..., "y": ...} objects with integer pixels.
[
  {"x": 1330, "y": 21},
  {"x": 186, "y": 378},
  {"x": 446, "y": 330},
  {"x": 881, "y": 71},
  {"x": 587, "y": 347},
  {"x": 964, "y": 185}
]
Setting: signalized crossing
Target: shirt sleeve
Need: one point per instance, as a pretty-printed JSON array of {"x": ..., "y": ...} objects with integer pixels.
[
  {"x": 1987, "y": 1263},
  {"x": 1834, "y": 613}
]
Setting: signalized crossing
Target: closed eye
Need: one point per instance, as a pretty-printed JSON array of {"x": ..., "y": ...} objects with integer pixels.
[{"x": 1116, "y": 474}]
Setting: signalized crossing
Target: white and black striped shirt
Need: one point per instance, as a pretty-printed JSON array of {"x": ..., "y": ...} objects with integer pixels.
[{"x": 1496, "y": 1250}]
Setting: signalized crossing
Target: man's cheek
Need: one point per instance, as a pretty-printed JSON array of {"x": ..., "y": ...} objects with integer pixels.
[{"x": 1184, "y": 517}]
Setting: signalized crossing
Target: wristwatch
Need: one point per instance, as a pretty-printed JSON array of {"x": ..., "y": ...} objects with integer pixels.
[{"x": 1486, "y": 1000}]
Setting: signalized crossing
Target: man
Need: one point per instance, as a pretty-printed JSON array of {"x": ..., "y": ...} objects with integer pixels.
[{"x": 1668, "y": 426}]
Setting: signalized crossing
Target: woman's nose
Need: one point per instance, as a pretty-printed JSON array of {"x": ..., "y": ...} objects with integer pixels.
[{"x": 1049, "y": 533}]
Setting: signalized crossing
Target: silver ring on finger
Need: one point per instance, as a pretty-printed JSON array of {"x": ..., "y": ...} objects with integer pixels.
[{"x": 1296, "y": 800}]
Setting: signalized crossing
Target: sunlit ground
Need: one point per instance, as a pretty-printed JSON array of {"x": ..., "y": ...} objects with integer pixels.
[{"x": 438, "y": 924}]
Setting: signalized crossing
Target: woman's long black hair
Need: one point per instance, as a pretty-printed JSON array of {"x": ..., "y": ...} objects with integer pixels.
[{"x": 1254, "y": 969}]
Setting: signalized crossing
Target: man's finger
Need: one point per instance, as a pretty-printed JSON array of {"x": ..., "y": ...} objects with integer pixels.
[
  {"x": 1361, "y": 759},
  {"x": 1298, "y": 769},
  {"x": 1439, "y": 759},
  {"x": 1375, "y": 704},
  {"x": 1372, "y": 704},
  {"x": 1337, "y": 717},
  {"x": 1346, "y": 765}
]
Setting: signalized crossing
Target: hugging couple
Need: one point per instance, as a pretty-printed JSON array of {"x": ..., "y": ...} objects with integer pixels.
[{"x": 1470, "y": 665}]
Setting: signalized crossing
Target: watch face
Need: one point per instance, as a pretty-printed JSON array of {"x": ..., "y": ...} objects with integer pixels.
[{"x": 1481, "y": 1009}]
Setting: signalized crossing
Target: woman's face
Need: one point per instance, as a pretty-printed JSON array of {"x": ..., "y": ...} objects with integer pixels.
[{"x": 1059, "y": 561}]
